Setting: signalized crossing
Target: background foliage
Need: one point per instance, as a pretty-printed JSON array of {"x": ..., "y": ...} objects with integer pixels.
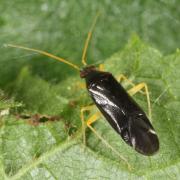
[{"x": 40, "y": 138}]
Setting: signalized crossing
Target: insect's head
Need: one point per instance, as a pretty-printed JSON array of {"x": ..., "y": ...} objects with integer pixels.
[{"x": 84, "y": 72}]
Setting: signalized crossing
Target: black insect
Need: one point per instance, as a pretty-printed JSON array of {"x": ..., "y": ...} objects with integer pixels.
[
  {"x": 121, "y": 111},
  {"x": 118, "y": 108}
]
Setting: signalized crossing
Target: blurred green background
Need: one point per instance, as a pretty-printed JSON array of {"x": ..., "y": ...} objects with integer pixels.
[{"x": 60, "y": 27}]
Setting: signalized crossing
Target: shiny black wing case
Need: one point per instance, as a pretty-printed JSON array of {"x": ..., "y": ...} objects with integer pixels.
[{"x": 122, "y": 112}]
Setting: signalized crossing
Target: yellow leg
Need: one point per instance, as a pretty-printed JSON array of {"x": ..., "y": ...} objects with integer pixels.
[
  {"x": 122, "y": 77},
  {"x": 91, "y": 120},
  {"x": 139, "y": 87},
  {"x": 81, "y": 85},
  {"x": 101, "y": 67},
  {"x": 83, "y": 109}
]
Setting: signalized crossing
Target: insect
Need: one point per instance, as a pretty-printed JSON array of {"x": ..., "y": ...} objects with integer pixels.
[{"x": 115, "y": 104}]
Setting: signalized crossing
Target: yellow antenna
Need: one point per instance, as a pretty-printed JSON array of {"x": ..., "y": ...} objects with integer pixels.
[
  {"x": 46, "y": 54},
  {"x": 88, "y": 39}
]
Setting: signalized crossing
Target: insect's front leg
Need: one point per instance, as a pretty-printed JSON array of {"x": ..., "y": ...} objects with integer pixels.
[
  {"x": 84, "y": 109},
  {"x": 101, "y": 67}
]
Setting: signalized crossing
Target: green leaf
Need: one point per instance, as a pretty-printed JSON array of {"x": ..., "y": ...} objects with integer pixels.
[
  {"x": 54, "y": 149},
  {"x": 7, "y": 104}
]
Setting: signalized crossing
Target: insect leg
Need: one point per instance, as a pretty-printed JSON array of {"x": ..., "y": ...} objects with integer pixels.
[
  {"x": 81, "y": 85},
  {"x": 91, "y": 120},
  {"x": 101, "y": 67},
  {"x": 139, "y": 87},
  {"x": 122, "y": 77},
  {"x": 83, "y": 109}
]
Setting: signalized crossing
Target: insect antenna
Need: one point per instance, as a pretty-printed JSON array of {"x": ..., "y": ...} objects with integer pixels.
[
  {"x": 45, "y": 54},
  {"x": 59, "y": 58},
  {"x": 84, "y": 57}
]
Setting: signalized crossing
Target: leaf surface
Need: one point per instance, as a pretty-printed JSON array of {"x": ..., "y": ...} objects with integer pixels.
[{"x": 54, "y": 149}]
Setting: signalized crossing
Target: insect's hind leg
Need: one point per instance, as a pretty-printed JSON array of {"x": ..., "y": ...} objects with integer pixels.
[
  {"x": 89, "y": 123},
  {"x": 138, "y": 88}
]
